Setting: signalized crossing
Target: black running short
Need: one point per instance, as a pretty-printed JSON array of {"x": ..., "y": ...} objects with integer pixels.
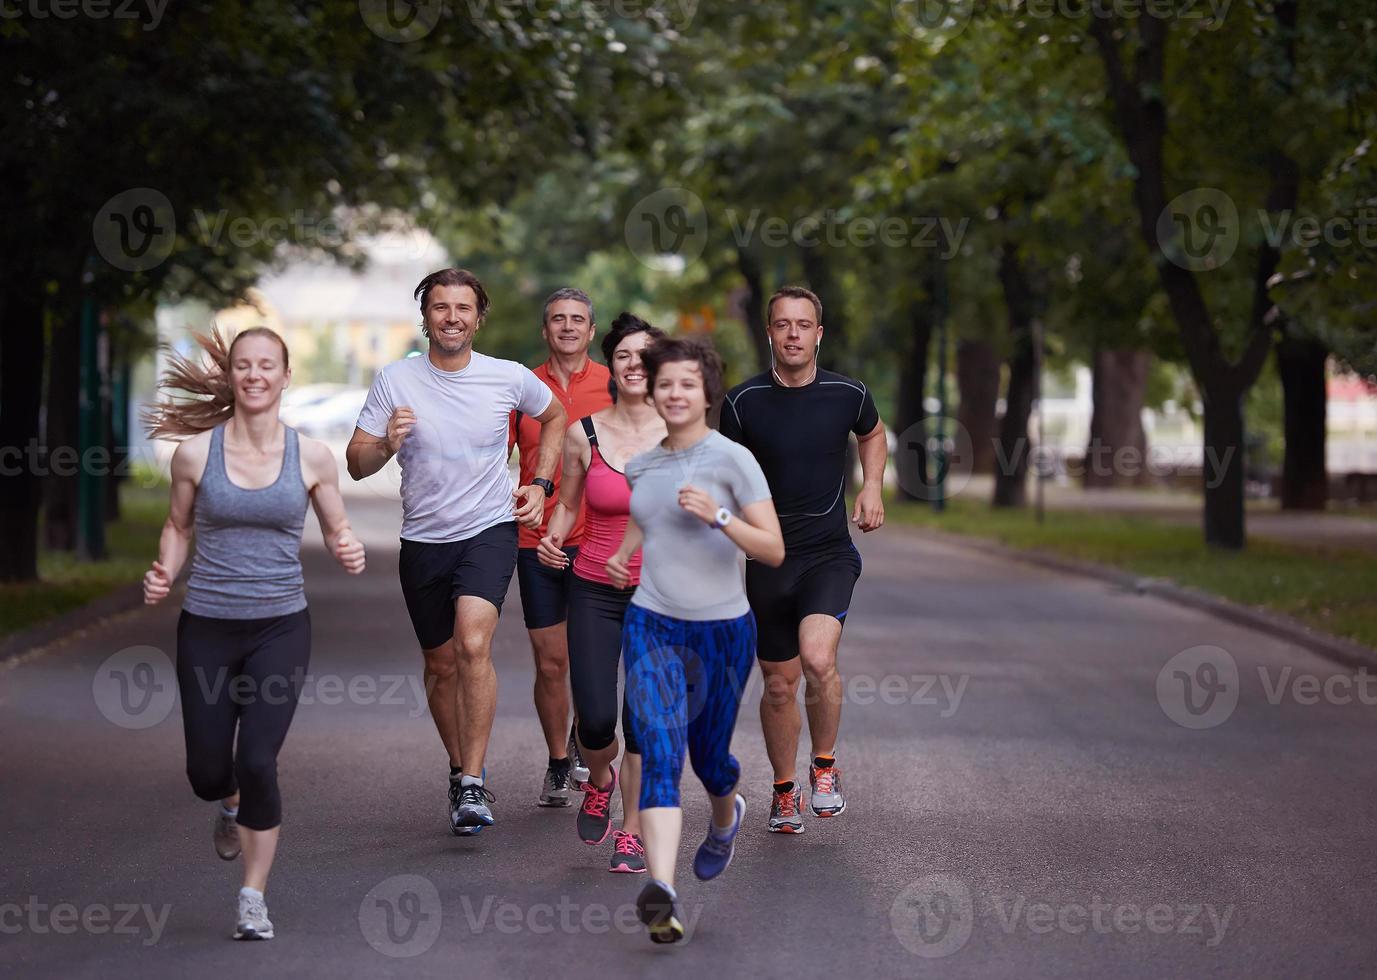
[
  {"x": 803, "y": 586},
  {"x": 434, "y": 574},
  {"x": 544, "y": 591}
]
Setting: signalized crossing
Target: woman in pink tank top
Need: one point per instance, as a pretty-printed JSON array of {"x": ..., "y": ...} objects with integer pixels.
[{"x": 596, "y": 450}]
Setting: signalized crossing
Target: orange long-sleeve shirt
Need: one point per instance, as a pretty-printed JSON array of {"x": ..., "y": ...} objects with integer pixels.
[{"x": 587, "y": 393}]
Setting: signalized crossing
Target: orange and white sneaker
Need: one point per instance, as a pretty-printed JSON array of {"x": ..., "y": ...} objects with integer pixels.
[
  {"x": 826, "y": 799},
  {"x": 786, "y": 811}
]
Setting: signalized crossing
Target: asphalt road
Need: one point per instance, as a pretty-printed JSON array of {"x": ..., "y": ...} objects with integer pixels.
[{"x": 1021, "y": 804}]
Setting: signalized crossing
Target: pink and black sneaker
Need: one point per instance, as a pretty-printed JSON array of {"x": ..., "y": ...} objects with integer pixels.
[
  {"x": 628, "y": 853},
  {"x": 595, "y": 816}
]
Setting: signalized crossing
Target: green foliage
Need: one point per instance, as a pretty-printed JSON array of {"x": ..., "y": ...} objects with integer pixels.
[
  {"x": 67, "y": 583},
  {"x": 1331, "y": 589}
]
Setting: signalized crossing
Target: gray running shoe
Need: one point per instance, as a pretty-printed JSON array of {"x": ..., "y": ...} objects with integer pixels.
[
  {"x": 226, "y": 836},
  {"x": 556, "y": 790},
  {"x": 578, "y": 774},
  {"x": 628, "y": 853},
  {"x": 471, "y": 813},
  {"x": 786, "y": 812},
  {"x": 826, "y": 799},
  {"x": 253, "y": 918}
]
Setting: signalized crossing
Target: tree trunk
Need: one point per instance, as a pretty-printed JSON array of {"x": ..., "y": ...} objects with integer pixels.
[
  {"x": 910, "y": 453},
  {"x": 817, "y": 269},
  {"x": 1222, "y": 470},
  {"x": 1117, "y": 452},
  {"x": 1141, "y": 109},
  {"x": 61, "y": 482},
  {"x": 1012, "y": 451},
  {"x": 117, "y": 431},
  {"x": 1301, "y": 364},
  {"x": 753, "y": 306},
  {"x": 977, "y": 383},
  {"x": 21, "y": 393}
]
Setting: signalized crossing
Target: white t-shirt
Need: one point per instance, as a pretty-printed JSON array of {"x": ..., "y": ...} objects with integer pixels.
[{"x": 454, "y": 463}]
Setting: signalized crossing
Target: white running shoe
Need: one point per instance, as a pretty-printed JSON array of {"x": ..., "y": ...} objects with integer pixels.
[{"x": 253, "y": 917}]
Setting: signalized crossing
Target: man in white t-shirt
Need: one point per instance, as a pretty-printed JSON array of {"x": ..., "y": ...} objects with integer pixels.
[{"x": 445, "y": 418}]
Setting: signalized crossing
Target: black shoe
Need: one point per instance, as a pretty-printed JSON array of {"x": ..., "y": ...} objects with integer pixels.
[
  {"x": 470, "y": 812},
  {"x": 557, "y": 789},
  {"x": 658, "y": 908}
]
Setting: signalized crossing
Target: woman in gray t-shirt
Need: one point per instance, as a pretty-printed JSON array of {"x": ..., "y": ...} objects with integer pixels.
[{"x": 699, "y": 506}]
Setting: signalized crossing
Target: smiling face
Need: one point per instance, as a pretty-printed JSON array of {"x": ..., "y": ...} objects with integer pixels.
[
  {"x": 627, "y": 370},
  {"x": 794, "y": 331},
  {"x": 568, "y": 327},
  {"x": 451, "y": 316},
  {"x": 678, "y": 394},
  {"x": 258, "y": 372}
]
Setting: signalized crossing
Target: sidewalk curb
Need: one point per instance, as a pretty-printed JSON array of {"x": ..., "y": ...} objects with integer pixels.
[
  {"x": 1335, "y": 648},
  {"x": 25, "y": 645}
]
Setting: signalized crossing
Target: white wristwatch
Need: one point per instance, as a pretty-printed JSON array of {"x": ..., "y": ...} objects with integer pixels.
[{"x": 722, "y": 518}]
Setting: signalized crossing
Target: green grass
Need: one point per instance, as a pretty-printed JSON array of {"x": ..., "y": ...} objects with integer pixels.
[
  {"x": 1331, "y": 589},
  {"x": 65, "y": 583}
]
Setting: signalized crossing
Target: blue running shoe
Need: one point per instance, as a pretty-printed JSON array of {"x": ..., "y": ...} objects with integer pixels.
[{"x": 715, "y": 853}]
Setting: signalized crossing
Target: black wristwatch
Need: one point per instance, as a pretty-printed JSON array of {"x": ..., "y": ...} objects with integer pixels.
[{"x": 545, "y": 485}]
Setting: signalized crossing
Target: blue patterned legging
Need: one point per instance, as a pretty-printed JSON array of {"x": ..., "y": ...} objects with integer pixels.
[{"x": 684, "y": 681}]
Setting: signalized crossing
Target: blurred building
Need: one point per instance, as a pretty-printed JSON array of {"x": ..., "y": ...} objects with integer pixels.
[{"x": 340, "y": 325}]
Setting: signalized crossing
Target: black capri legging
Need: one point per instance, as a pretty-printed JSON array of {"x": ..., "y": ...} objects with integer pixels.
[
  {"x": 244, "y": 673},
  {"x": 596, "y": 614}
]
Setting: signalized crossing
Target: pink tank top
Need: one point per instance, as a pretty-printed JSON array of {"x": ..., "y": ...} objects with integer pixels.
[{"x": 607, "y": 507}]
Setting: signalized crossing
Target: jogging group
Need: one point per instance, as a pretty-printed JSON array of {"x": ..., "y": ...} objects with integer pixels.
[{"x": 643, "y": 540}]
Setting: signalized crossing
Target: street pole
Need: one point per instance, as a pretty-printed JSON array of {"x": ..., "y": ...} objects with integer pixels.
[
  {"x": 939, "y": 453},
  {"x": 1040, "y": 464},
  {"x": 91, "y": 437}
]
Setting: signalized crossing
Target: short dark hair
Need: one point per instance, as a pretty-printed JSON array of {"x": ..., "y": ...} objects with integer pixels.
[
  {"x": 567, "y": 292},
  {"x": 451, "y": 277},
  {"x": 624, "y": 326},
  {"x": 696, "y": 349},
  {"x": 792, "y": 292}
]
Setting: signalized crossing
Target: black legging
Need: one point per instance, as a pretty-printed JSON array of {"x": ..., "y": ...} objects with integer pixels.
[
  {"x": 246, "y": 673},
  {"x": 596, "y": 614}
]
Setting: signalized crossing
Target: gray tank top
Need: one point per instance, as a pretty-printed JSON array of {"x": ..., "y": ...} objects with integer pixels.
[{"x": 248, "y": 542}]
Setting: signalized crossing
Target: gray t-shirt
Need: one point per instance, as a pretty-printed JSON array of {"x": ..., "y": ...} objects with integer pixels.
[
  {"x": 454, "y": 463},
  {"x": 690, "y": 570}
]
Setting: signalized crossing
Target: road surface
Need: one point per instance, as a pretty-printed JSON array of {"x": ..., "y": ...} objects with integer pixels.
[{"x": 1047, "y": 777}]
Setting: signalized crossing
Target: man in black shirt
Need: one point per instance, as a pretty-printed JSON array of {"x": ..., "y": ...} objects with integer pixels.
[{"x": 797, "y": 420}]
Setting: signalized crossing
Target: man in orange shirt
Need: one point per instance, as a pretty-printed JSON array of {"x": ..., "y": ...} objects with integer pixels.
[{"x": 581, "y": 385}]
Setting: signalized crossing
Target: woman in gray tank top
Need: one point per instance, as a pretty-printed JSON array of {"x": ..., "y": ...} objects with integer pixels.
[{"x": 241, "y": 481}]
